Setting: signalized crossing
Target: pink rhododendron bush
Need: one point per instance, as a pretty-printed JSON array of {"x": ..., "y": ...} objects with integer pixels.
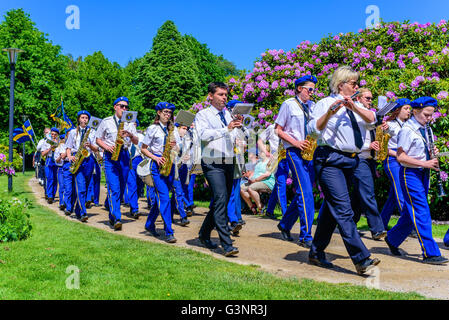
[{"x": 397, "y": 60}]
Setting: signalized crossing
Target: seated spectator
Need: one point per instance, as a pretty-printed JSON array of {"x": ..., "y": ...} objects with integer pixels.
[{"x": 260, "y": 181}]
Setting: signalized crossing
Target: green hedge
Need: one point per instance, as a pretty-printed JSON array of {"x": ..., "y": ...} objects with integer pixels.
[{"x": 15, "y": 221}]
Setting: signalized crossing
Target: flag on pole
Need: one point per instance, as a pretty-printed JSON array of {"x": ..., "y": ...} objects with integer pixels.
[
  {"x": 63, "y": 121},
  {"x": 20, "y": 135}
]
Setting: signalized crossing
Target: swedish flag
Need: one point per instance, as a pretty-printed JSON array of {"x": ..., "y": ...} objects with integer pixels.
[
  {"x": 20, "y": 135},
  {"x": 29, "y": 128}
]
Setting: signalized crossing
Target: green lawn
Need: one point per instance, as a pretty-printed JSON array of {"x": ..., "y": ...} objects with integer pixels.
[{"x": 116, "y": 267}]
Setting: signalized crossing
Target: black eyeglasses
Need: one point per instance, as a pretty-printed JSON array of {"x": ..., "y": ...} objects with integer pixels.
[
  {"x": 123, "y": 106},
  {"x": 369, "y": 98}
]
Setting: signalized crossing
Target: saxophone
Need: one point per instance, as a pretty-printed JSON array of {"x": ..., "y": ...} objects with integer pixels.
[
  {"x": 118, "y": 142},
  {"x": 80, "y": 155},
  {"x": 307, "y": 153},
  {"x": 383, "y": 138},
  {"x": 165, "y": 169}
]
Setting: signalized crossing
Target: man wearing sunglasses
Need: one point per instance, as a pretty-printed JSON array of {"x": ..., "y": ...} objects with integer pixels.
[
  {"x": 291, "y": 127},
  {"x": 363, "y": 197},
  {"x": 116, "y": 172}
]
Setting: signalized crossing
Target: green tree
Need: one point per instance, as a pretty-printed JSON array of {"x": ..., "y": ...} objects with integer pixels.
[
  {"x": 40, "y": 71},
  {"x": 168, "y": 72}
]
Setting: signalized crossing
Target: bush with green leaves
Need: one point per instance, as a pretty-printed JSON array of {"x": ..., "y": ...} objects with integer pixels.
[{"x": 15, "y": 221}]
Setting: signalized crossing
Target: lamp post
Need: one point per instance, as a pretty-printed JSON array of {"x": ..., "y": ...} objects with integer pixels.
[
  {"x": 13, "y": 54},
  {"x": 24, "y": 118}
]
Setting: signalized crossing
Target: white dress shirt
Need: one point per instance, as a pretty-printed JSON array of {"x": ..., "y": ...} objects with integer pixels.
[
  {"x": 393, "y": 130},
  {"x": 291, "y": 118},
  {"x": 40, "y": 144},
  {"x": 216, "y": 139},
  {"x": 155, "y": 138},
  {"x": 74, "y": 140},
  {"x": 338, "y": 133},
  {"x": 269, "y": 134},
  {"x": 412, "y": 142},
  {"x": 107, "y": 131},
  {"x": 58, "y": 151}
]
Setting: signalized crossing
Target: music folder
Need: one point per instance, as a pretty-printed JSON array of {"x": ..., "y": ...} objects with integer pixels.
[
  {"x": 242, "y": 109},
  {"x": 185, "y": 118}
]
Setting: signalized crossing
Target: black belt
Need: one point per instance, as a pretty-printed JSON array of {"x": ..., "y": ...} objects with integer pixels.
[{"x": 346, "y": 154}]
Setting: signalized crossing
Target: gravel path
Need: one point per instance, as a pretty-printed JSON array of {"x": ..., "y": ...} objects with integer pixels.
[{"x": 260, "y": 244}]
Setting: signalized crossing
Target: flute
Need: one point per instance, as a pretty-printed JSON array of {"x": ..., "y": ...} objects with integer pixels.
[
  {"x": 429, "y": 133},
  {"x": 338, "y": 104}
]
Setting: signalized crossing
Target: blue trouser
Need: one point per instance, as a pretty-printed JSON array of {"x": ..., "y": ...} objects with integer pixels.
[
  {"x": 364, "y": 197},
  {"x": 279, "y": 192},
  {"x": 69, "y": 187},
  {"x": 183, "y": 172},
  {"x": 178, "y": 199},
  {"x": 133, "y": 186},
  {"x": 302, "y": 204},
  {"x": 446, "y": 238},
  {"x": 415, "y": 213},
  {"x": 162, "y": 205},
  {"x": 151, "y": 196},
  {"x": 51, "y": 172},
  {"x": 93, "y": 193},
  {"x": 82, "y": 180},
  {"x": 61, "y": 185},
  {"x": 234, "y": 204},
  {"x": 395, "y": 196},
  {"x": 189, "y": 194},
  {"x": 116, "y": 173},
  {"x": 334, "y": 171}
]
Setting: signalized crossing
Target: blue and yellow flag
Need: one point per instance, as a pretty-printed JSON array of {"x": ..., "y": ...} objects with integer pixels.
[
  {"x": 20, "y": 136},
  {"x": 29, "y": 129},
  {"x": 63, "y": 121}
]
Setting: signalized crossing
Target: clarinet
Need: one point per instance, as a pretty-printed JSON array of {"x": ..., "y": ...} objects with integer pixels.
[
  {"x": 338, "y": 104},
  {"x": 440, "y": 191}
]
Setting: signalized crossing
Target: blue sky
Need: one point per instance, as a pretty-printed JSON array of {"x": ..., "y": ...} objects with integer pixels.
[{"x": 239, "y": 30}]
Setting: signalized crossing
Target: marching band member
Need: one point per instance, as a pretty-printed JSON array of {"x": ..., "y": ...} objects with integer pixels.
[
  {"x": 335, "y": 159},
  {"x": 363, "y": 196},
  {"x": 84, "y": 173},
  {"x": 134, "y": 183},
  {"x": 116, "y": 172},
  {"x": 216, "y": 132},
  {"x": 279, "y": 193},
  {"x": 414, "y": 156},
  {"x": 395, "y": 122},
  {"x": 60, "y": 155},
  {"x": 178, "y": 197},
  {"x": 153, "y": 146},
  {"x": 93, "y": 192},
  {"x": 291, "y": 127},
  {"x": 51, "y": 169},
  {"x": 40, "y": 162}
]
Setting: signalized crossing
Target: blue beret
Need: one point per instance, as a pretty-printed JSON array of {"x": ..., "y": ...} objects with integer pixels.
[
  {"x": 121, "y": 99},
  {"x": 400, "y": 103},
  {"x": 83, "y": 112},
  {"x": 176, "y": 124},
  {"x": 55, "y": 129},
  {"x": 137, "y": 123},
  {"x": 62, "y": 136},
  {"x": 231, "y": 104},
  {"x": 423, "y": 102},
  {"x": 307, "y": 78},
  {"x": 165, "y": 105}
]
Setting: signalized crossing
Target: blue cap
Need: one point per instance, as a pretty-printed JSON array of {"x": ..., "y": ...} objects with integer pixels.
[
  {"x": 55, "y": 129},
  {"x": 165, "y": 105},
  {"x": 137, "y": 123},
  {"x": 400, "y": 103},
  {"x": 423, "y": 102},
  {"x": 121, "y": 99},
  {"x": 231, "y": 104},
  {"x": 306, "y": 78},
  {"x": 62, "y": 136},
  {"x": 80, "y": 113}
]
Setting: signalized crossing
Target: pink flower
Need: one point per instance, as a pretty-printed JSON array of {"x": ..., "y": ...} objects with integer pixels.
[
  {"x": 289, "y": 181},
  {"x": 443, "y": 176},
  {"x": 415, "y": 60},
  {"x": 442, "y": 95},
  {"x": 402, "y": 86}
]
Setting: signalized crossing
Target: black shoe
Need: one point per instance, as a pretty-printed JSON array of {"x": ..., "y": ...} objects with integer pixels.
[
  {"x": 184, "y": 222},
  {"x": 67, "y": 212},
  {"x": 231, "y": 251},
  {"x": 62, "y": 207},
  {"x": 84, "y": 218},
  {"x": 235, "y": 227},
  {"x": 285, "y": 233},
  {"x": 366, "y": 265},
  {"x": 118, "y": 225},
  {"x": 170, "y": 239},
  {"x": 413, "y": 234},
  {"x": 242, "y": 222},
  {"x": 394, "y": 251},
  {"x": 50, "y": 200},
  {"x": 305, "y": 244},
  {"x": 236, "y": 233},
  {"x": 189, "y": 211},
  {"x": 88, "y": 204},
  {"x": 153, "y": 232},
  {"x": 320, "y": 262},
  {"x": 379, "y": 235},
  {"x": 134, "y": 215},
  {"x": 207, "y": 243},
  {"x": 436, "y": 260}
]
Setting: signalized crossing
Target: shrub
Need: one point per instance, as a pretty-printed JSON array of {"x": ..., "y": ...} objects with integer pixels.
[
  {"x": 395, "y": 60},
  {"x": 15, "y": 221}
]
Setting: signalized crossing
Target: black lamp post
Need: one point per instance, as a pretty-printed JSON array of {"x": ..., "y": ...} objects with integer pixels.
[{"x": 13, "y": 53}]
